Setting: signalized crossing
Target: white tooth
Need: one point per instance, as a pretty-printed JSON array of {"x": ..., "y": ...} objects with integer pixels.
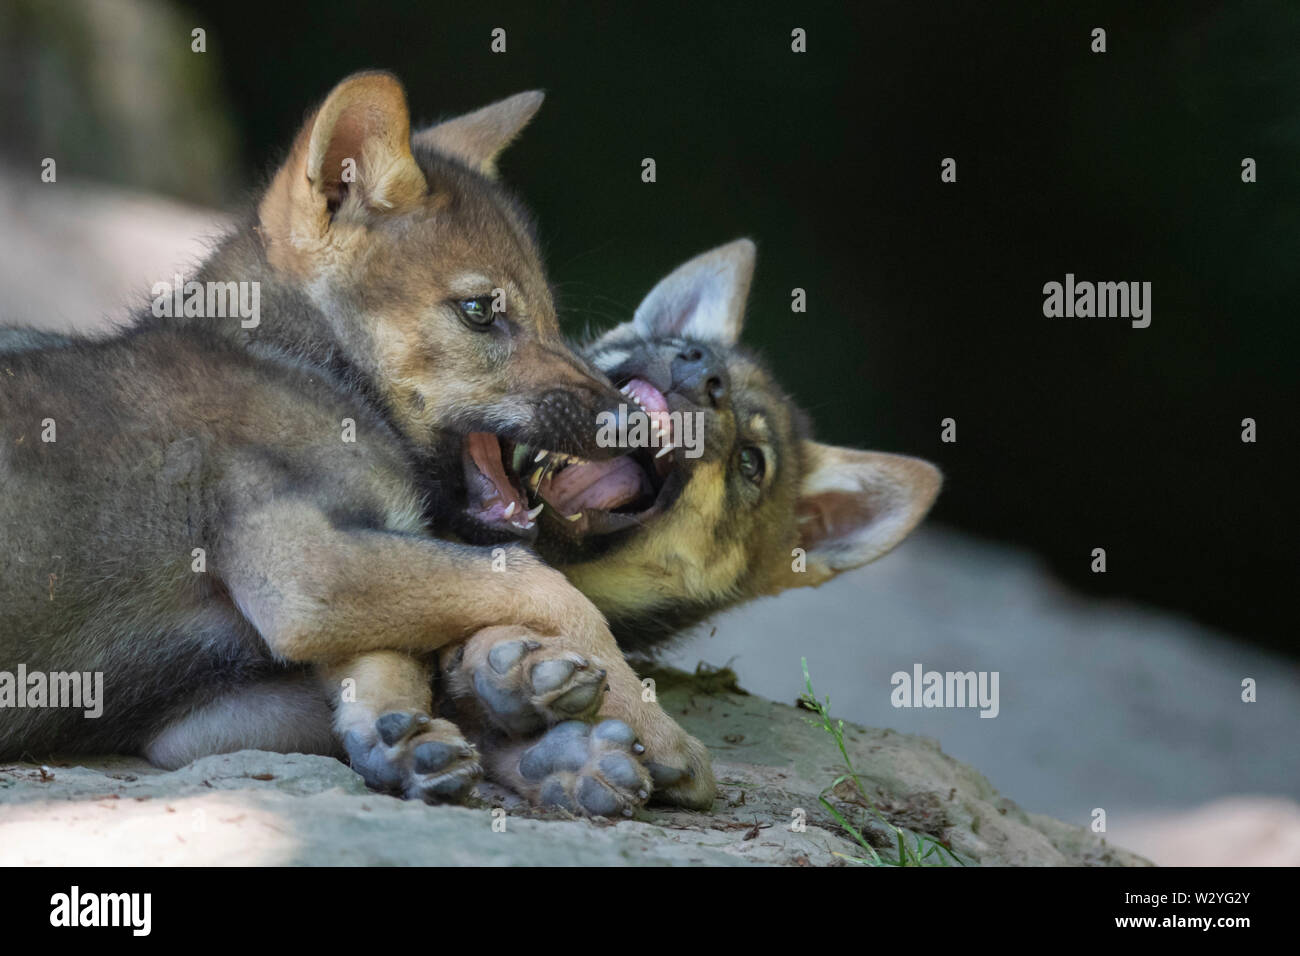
[
  {"x": 540, "y": 456},
  {"x": 663, "y": 451},
  {"x": 575, "y": 517},
  {"x": 532, "y": 515},
  {"x": 510, "y": 509}
]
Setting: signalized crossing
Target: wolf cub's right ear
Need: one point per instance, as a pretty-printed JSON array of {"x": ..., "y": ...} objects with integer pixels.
[
  {"x": 703, "y": 298},
  {"x": 353, "y": 153},
  {"x": 855, "y": 506}
]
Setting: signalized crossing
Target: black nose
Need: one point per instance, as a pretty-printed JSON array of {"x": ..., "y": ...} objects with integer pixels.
[{"x": 700, "y": 375}]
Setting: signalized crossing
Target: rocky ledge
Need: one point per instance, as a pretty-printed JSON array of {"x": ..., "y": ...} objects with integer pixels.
[{"x": 779, "y": 803}]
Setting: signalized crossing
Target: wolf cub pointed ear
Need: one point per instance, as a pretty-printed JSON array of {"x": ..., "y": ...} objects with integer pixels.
[
  {"x": 478, "y": 138},
  {"x": 855, "y": 506},
  {"x": 354, "y": 150},
  {"x": 703, "y": 298}
]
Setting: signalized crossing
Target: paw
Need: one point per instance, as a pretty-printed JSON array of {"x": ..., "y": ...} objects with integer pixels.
[
  {"x": 525, "y": 686},
  {"x": 414, "y": 755},
  {"x": 682, "y": 773},
  {"x": 679, "y": 765},
  {"x": 586, "y": 769}
]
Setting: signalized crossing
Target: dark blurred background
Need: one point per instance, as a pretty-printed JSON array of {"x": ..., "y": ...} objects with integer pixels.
[{"x": 924, "y": 298}]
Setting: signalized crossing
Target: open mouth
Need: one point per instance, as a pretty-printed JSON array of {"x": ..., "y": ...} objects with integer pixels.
[{"x": 512, "y": 486}]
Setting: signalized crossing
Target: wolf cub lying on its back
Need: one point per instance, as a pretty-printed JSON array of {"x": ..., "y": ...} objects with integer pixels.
[{"x": 728, "y": 499}]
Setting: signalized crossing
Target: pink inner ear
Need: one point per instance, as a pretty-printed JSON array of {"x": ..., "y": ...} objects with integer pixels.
[
  {"x": 347, "y": 141},
  {"x": 830, "y": 516}
]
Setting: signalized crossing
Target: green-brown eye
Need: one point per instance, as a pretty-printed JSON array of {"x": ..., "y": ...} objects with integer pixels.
[
  {"x": 752, "y": 464},
  {"x": 476, "y": 312}
]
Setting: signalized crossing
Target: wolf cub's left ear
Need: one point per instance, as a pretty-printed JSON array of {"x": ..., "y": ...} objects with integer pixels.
[
  {"x": 703, "y": 298},
  {"x": 352, "y": 155},
  {"x": 855, "y": 506},
  {"x": 478, "y": 138}
]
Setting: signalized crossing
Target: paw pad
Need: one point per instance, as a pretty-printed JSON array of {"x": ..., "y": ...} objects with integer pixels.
[
  {"x": 414, "y": 755},
  {"x": 525, "y": 686},
  {"x": 587, "y": 770}
]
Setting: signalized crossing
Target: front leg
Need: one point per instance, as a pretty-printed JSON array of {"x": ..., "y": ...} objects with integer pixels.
[
  {"x": 325, "y": 594},
  {"x": 320, "y": 593},
  {"x": 382, "y": 715}
]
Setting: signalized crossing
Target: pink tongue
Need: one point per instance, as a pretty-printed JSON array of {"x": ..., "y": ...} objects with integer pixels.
[
  {"x": 656, "y": 406},
  {"x": 604, "y": 485},
  {"x": 649, "y": 397}
]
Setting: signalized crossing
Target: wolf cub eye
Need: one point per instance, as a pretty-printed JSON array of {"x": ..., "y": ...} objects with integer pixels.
[
  {"x": 751, "y": 463},
  {"x": 477, "y": 312}
]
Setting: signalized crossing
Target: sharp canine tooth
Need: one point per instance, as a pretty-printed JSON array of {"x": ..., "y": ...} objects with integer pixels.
[
  {"x": 663, "y": 451},
  {"x": 532, "y": 515},
  {"x": 510, "y": 510},
  {"x": 575, "y": 517},
  {"x": 540, "y": 455}
]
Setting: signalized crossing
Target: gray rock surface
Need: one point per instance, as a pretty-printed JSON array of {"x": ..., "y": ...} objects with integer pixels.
[
  {"x": 253, "y": 808},
  {"x": 1103, "y": 703}
]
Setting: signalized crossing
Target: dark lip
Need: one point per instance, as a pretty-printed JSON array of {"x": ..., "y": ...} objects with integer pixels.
[
  {"x": 474, "y": 530},
  {"x": 622, "y": 376},
  {"x": 533, "y": 435}
]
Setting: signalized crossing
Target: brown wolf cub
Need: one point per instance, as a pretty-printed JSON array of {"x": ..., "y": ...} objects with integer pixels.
[{"x": 211, "y": 512}]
